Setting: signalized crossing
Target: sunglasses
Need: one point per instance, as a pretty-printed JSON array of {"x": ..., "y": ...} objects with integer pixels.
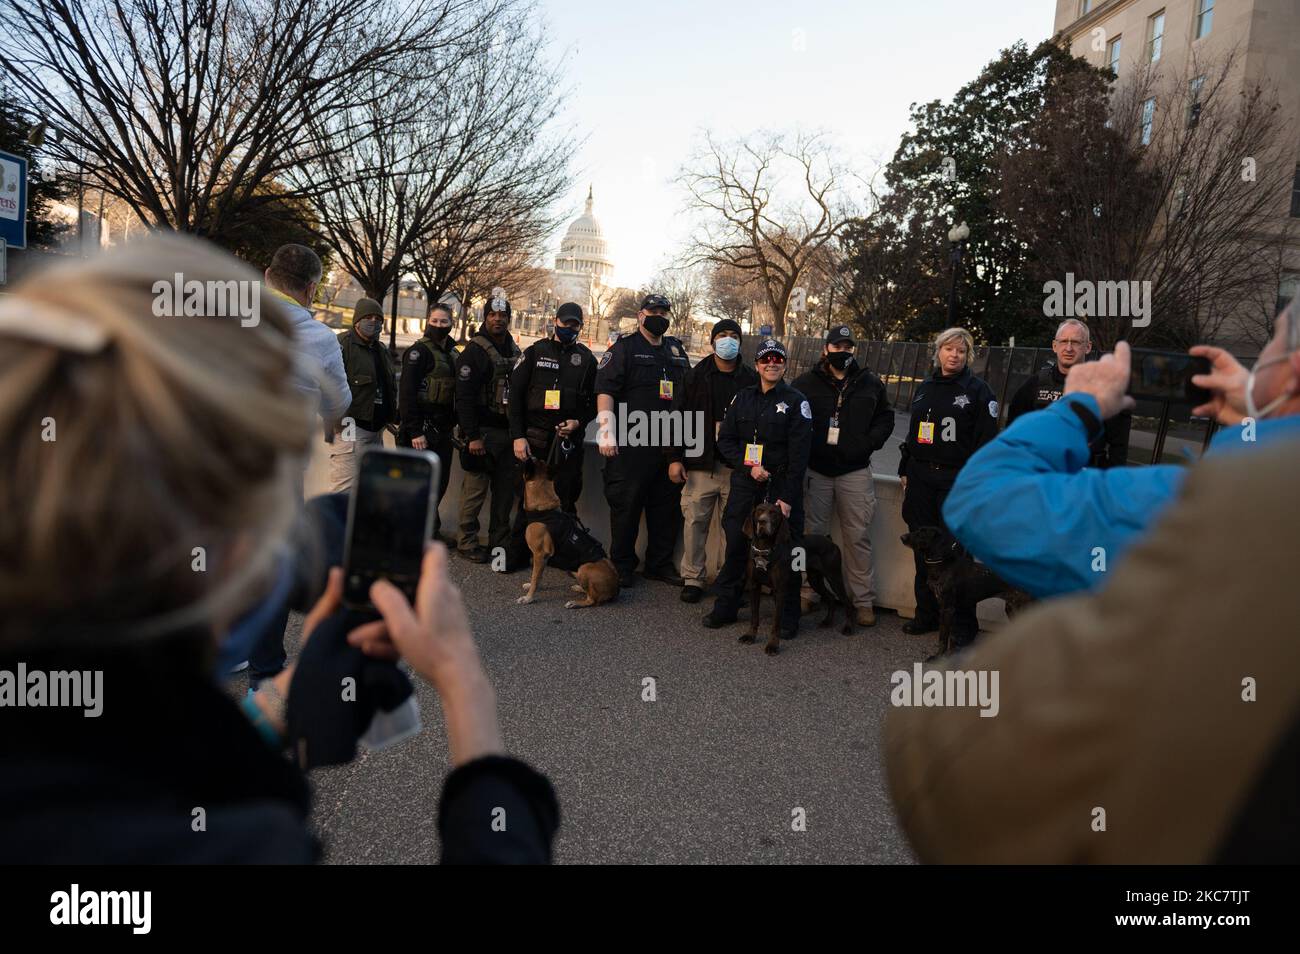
[{"x": 771, "y": 359}]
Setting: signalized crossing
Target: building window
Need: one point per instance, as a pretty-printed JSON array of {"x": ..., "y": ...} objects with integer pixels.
[
  {"x": 1148, "y": 120},
  {"x": 1112, "y": 55},
  {"x": 1204, "y": 18},
  {"x": 1194, "y": 102},
  {"x": 1155, "y": 36}
]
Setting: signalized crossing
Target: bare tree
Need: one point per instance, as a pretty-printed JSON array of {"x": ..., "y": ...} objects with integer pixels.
[
  {"x": 185, "y": 111},
  {"x": 768, "y": 205}
]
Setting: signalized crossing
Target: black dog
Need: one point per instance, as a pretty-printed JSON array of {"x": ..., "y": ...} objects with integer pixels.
[
  {"x": 956, "y": 579},
  {"x": 826, "y": 576},
  {"x": 769, "y": 563}
]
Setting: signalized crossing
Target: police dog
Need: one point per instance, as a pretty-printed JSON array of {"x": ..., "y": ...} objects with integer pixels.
[
  {"x": 597, "y": 578},
  {"x": 955, "y": 578},
  {"x": 769, "y": 563},
  {"x": 825, "y": 569}
]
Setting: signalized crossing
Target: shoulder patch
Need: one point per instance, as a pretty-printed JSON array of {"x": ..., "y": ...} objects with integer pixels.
[
  {"x": 993, "y": 408},
  {"x": 606, "y": 358},
  {"x": 412, "y": 355},
  {"x": 806, "y": 410}
]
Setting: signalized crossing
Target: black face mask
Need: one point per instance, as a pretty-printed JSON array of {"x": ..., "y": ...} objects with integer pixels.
[
  {"x": 437, "y": 333},
  {"x": 840, "y": 360},
  {"x": 656, "y": 324}
]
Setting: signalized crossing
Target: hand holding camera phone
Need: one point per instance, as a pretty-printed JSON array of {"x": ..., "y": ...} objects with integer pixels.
[{"x": 1167, "y": 376}]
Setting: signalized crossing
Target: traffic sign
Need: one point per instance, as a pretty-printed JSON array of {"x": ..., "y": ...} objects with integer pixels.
[{"x": 13, "y": 200}]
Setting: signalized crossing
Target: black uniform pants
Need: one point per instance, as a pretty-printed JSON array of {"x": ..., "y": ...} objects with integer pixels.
[
  {"x": 923, "y": 507},
  {"x": 568, "y": 477},
  {"x": 636, "y": 482},
  {"x": 438, "y": 436},
  {"x": 745, "y": 495}
]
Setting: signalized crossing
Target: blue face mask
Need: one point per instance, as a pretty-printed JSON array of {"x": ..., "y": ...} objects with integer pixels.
[
  {"x": 726, "y": 348},
  {"x": 565, "y": 335}
]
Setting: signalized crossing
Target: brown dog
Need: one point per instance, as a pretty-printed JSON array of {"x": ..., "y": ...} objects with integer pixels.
[
  {"x": 558, "y": 538},
  {"x": 769, "y": 563}
]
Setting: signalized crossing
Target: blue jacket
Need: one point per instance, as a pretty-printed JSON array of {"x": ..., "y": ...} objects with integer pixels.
[{"x": 1026, "y": 506}]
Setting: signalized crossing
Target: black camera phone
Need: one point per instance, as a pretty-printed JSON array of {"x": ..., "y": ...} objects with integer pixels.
[
  {"x": 1167, "y": 376},
  {"x": 390, "y": 519}
]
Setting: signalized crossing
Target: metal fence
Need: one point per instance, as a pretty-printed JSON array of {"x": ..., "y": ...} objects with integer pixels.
[{"x": 1162, "y": 432}]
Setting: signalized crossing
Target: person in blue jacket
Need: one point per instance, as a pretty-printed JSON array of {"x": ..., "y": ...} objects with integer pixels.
[{"x": 1027, "y": 505}]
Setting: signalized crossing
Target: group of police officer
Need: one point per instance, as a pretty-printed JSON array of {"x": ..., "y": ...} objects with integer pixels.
[{"x": 805, "y": 447}]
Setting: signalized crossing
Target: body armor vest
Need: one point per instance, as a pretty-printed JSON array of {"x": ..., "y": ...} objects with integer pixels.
[{"x": 497, "y": 388}]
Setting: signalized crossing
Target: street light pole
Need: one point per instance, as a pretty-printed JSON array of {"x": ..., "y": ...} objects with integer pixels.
[
  {"x": 957, "y": 235},
  {"x": 400, "y": 183}
]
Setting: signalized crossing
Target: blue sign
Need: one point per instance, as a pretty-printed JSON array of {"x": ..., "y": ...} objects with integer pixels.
[
  {"x": 765, "y": 331},
  {"x": 13, "y": 200}
]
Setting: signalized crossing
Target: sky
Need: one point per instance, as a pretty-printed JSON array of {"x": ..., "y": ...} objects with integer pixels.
[{"x": 646, "y": 78}]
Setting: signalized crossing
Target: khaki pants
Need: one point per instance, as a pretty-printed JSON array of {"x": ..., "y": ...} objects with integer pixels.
[
  {"x": 344, "y": 454},
  {"x": 852, "y": 496},
  {"x": 704, "y": 494}
]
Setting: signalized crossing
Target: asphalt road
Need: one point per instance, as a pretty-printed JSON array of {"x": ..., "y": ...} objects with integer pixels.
[{"x": 709, "y": 772}]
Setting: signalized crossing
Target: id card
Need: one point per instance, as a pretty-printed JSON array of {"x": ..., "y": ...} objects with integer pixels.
[
  {"x": 832, "y": 436},
  {"x": 552, "y": 400},
  {"x": 753, "y": 454},
  {"x": 925, "y": 433},
  {"x": 666, "y": 389}
]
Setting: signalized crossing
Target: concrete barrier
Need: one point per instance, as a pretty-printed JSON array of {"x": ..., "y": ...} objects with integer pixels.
[{"x": 893, "y": 561}]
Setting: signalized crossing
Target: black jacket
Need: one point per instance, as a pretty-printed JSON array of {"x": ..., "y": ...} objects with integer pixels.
[
  {"x": 865, "y": 418},
  {"x": 369, "y": 368},
  {"x": 477, "y": 397},
  {"x": 1110, "y": 449},
  {"x": 963, "y": 411},
  {"x": 780, "y": 420},
  {"x": 420, "y": 361},
  {"x": 696, "y": 397},
  {"x": 632, "y": 368},
  {"x": 548, "y": 365},
  {"x": 121, "y": 788}
]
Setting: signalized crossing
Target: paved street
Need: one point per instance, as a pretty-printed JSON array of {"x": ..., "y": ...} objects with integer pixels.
[{"x": 708, "y": 773}]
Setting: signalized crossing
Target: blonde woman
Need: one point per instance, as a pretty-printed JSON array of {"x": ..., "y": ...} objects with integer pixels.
[
  {"x": 149, "y": 486},
  {"x": 954, "y": 413}
]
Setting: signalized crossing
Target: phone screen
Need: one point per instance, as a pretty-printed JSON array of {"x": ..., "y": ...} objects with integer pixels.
[
  {"x": 390, "y": 518},
  {"x": 1167, "y": 376}
]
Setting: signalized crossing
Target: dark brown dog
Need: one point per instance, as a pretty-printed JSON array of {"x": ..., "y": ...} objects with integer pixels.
[
  {"x": 769, "y": 563},
  {"x": 955, "y": 578},
  {"x": 597, "y": 578}
]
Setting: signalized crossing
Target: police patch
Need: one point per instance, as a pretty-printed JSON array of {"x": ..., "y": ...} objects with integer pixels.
[
  {"x": 464, "y": 370},
  {"x": 575, "y": 359},
  {"x": 993, "y": 408},
  {"x": 413, "y": 356},
  {"x": 806, "y": 410},
  {"x": 606, "y": 358},
  {"x": 960, "y": 400},
  {"x": 677, "y": 351}
]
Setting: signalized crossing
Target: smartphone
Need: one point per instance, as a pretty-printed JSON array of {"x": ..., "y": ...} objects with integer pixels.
[
  {"x": 1167, "y": 376},
  {"x": 390, "y": 519}
]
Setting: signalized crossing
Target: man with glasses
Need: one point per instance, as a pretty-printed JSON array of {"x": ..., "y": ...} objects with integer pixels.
[
  {"x": 1072, "y": 346},
  {"x": 1027, "y": 505},
  {"x": 767, "y": 431}
]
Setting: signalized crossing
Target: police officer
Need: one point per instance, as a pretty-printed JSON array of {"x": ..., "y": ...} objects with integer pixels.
[
  {"x": 427, "y": 394},
  {"x": 852, "y": 420},
  {"x": 768, "y": 431},
  {"x": 482, "y": 398},
  {"x": 954, "y": 414},
  {"x": 638, "y": 376},
  {"x": 369, "y": 368},
  {"x": 1072, "y": 344},
  {"x": 555, "y": 399}
]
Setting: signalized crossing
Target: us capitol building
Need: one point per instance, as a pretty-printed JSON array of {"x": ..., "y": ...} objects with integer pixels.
[{"x": 582, "y": 269}]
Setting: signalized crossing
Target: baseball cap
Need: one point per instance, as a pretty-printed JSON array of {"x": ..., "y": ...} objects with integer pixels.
[
  {"x": 656, "y": 301},
  {"x": 770, "y": 346},
  {"x": 839, "y": 333},
  {"x": 570, "y": 309}
]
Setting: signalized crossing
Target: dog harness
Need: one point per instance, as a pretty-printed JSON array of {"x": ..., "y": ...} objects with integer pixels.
[{"x": 574, "y": 544}]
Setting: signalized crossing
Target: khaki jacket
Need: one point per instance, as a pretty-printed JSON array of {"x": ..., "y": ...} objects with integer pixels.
[{"x": 1128, "y": 700}]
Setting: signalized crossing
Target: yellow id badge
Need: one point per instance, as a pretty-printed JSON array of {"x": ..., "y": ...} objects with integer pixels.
[
  {"x": 753, "y": 454},
  {"x": 666, "y": 389},
  {"x": 925, "y": 433},
  {"x": 832, "y": 436},
  {"x": 552, "y": 400}
]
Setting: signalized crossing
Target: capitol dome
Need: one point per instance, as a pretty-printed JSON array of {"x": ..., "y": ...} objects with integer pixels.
[{"x": 584, "y": 254}]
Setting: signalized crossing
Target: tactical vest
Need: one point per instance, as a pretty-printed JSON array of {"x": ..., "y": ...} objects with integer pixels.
[
  {"x": 556, "y": 370},
  {"x": 496, "y": 390},
  {"x": 439, "y": 384},
  {"x": 574, "y": 544}
]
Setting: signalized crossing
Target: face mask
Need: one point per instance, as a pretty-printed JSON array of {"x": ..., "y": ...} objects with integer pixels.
[
  {"x": 565, "y": 335},
  {"x": 369, "y": 327},
  {"x": 1259, "y": 413},
  {"x": 656, "y": 324},
  {"x": 726, "y": 348},
  {"x": 437, "y": 333},
  {"x": 840, "y": 360}
]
